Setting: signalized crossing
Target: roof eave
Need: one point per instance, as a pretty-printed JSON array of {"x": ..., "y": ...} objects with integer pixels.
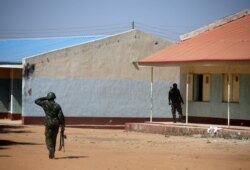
[
  {"x": 11, "y": 66},
  {"x": 215, "y": 24},
  {"x": 193, "y": 63}
]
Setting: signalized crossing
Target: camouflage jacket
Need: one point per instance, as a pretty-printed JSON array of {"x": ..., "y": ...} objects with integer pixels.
[{"x": 53, "y": 112}]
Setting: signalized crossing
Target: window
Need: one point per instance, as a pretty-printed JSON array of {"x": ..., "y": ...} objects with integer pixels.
[
  {"x": 234, "y": 81},
  {"x": 199, "y": 87}
]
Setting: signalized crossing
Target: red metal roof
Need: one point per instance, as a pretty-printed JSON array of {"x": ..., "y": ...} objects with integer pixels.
[{"x": 227, "y": 42}]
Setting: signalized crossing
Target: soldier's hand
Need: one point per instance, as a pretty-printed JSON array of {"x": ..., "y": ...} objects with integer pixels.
[{"x": 62, "y": 128}]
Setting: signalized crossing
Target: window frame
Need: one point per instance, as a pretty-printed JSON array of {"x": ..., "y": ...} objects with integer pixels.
[
  {"x": 234, "y": 81},
  {"x": 199, "y": 89}
]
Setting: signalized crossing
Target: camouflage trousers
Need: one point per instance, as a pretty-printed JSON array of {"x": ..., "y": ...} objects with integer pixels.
[
  {"x": 50, "y": 138},
  {"x": 176, "y": 107}
]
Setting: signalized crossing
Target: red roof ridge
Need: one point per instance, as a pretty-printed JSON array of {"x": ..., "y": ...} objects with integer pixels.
[{"x": 215, "y": 24}]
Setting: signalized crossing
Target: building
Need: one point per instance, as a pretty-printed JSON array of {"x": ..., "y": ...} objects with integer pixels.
[
  {"x": 99, "y": 82},
  {"x": 11, "y": 68},
  {"x": 10, "y": 90},
  {"x": 215, "y": 70}
]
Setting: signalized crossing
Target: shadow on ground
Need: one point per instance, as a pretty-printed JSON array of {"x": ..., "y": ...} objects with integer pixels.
[
  {"x": 4, "y": 156},
  {"x": 72, "y": 157},
  {"x": 13, "y": 129},
  {"x": 10, "y": 142}
]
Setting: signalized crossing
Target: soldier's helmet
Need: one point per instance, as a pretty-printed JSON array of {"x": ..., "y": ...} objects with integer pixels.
[
  {"x": 51, "y": 95},
  {"x": 175, "y": 85}
]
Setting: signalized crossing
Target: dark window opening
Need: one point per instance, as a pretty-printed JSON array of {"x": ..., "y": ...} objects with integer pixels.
[{"x": 198, "y": 87}]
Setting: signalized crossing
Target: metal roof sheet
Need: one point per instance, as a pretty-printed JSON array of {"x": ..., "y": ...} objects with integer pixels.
[
  {"x": 227, "y": 42},
  {"x": 13, "y": 50}
]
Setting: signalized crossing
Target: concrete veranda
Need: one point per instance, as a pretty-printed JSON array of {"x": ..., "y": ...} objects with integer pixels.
[{"x": 190, "y": 129}]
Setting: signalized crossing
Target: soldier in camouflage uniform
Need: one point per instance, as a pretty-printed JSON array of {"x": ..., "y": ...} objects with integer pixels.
[
  {"x": 175, "y": 100},
  {"x": 54, "y": 118}
]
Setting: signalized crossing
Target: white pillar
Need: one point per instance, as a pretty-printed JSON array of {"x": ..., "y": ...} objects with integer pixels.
[
  {"x": 151, "y": 93},
  {"x": 187, "y": 82},
  {"x": 11, "y": 90},
  {"x": 228, "y": 100}
]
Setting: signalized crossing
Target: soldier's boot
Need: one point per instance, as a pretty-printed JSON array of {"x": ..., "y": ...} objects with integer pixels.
[
  {"x": 174, "y": 118},
  {"x": 51, "y": 154},
  {"x": 181, "y": 119}
]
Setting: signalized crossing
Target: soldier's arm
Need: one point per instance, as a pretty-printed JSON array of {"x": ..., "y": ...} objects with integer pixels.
[
  {"x": 169, "y": 98},
  {"x": 61, "y": 118},
  {"x": 40, "y": 101},
  {"x": 180, "y": 97}
]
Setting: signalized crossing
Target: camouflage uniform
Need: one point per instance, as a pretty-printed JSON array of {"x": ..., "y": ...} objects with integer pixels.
[
  {"x": 53, "y": 119},
  {"x": 175, "y": 101}
]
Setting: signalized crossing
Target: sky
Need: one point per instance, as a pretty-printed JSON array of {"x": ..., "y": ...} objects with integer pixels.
[{"x": 165, "y": 18}]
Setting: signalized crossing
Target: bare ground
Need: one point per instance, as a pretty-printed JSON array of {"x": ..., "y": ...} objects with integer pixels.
[{"x": 23, "y": 148}]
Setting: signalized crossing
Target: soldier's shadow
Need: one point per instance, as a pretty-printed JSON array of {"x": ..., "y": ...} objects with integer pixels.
[{"x": 72, "y": 157}]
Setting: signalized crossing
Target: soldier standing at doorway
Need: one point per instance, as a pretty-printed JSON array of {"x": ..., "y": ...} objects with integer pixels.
[
  {"x": 54, "y": 118},
  {"x": 175, "y": 100}
]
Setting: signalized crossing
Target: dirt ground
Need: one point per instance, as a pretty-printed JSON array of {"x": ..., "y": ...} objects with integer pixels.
[{"x": 23, "y": 148}]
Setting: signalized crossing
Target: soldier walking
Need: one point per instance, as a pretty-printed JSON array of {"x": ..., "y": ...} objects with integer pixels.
[
  {"x": 54, "y": 118},
  {"x": 175, "y": 100}
]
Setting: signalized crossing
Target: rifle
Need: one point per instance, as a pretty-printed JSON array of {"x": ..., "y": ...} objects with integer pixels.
[{"x": 62, "y": 137}]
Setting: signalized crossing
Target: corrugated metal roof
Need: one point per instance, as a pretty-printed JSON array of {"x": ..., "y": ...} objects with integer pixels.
[
  {"x": 13, "y": 50},
  {"x": 227, "y": 42}
]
